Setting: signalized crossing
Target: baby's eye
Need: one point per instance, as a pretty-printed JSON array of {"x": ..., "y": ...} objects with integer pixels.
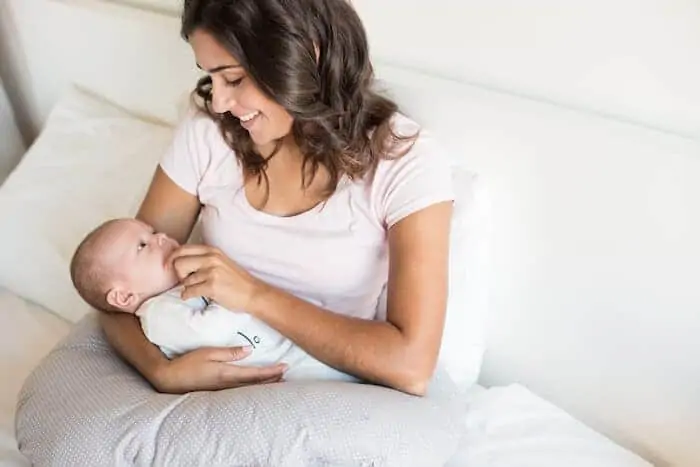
[{"x": 142, "y": 245}]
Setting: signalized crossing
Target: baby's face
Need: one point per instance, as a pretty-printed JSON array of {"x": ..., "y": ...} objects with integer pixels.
[{"x": 138, "y": 255}]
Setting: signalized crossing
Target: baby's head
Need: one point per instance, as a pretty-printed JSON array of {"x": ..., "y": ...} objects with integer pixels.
[{"x": 121, "y": 264}]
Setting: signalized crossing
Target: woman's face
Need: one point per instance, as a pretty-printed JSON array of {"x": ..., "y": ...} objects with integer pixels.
[{"x": 235, "y": 92}]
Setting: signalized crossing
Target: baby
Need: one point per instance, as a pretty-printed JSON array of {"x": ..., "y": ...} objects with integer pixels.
[{"x": 122, "y": 266}]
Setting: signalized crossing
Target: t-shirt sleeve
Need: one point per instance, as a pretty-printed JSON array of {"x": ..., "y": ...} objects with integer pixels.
[
  {"x": 414, "y": 181},
  {"x": 189, "y": 153}
]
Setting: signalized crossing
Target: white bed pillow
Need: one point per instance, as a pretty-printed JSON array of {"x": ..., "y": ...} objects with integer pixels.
[
  {"x": 11, "y": 144},
  {"x": 91, "y": 162},
  {"x": 464, "y": 337}
]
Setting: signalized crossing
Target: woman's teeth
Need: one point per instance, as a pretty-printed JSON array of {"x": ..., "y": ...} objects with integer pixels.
[{"x": 248, "y": 117}]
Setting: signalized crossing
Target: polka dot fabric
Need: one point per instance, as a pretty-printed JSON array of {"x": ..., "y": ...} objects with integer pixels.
[{"x": 83, "y": 406}]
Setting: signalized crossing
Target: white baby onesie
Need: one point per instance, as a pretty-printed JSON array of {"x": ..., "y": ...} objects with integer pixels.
[{"x": 178, "y": 326}]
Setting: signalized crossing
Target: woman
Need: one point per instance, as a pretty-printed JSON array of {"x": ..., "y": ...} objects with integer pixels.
[{"x": 311, "y": 188}]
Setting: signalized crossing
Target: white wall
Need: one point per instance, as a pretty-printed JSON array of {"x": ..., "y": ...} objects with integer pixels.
[{"x": 597, "y": 310}]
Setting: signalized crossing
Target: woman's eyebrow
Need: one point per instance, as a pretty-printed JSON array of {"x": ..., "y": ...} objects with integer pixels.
[{"x": 218, "y": 68}]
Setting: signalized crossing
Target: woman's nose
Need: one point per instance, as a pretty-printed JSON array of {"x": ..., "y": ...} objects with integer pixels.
[{"x": 222, "y": 99}]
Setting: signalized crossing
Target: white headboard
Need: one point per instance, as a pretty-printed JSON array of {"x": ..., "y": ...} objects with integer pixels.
[
  {"x": 629, "y": 60},
  {"x": 595, "y": 288}
]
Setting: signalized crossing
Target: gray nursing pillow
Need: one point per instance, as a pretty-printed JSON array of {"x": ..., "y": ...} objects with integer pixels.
[{"x": 84, "y": 406}]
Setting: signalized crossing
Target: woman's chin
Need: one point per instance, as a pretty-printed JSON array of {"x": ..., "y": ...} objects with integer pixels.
[{"x": 261, "y": 141}]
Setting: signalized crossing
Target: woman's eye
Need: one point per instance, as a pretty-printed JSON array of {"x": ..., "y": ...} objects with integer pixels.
[
  {"x": 233, "y": 83},
  {"x": 142, "y": 245}
]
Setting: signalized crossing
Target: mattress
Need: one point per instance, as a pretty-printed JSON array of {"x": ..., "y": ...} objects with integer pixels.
[{"x": 505, "y": 426}]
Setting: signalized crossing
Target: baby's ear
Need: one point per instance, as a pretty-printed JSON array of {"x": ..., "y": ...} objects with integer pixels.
[{"x": 121, "y": 299}]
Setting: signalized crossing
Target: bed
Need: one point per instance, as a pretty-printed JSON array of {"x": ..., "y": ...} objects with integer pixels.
[
  {"x": 507, "y": 425},
  {"x": 28, "y": 332},
  {"x": 504, "y": 425}
]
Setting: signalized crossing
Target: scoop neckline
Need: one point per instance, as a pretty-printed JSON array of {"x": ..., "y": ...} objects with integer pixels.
[
  {"x": 274, "y": 217},
  {"x": 343, "y": 184}
]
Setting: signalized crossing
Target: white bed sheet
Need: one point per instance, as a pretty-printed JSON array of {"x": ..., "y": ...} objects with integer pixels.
[
  {"x": 506, "y": 426},
  {"x": 512, "y": 427},
  {"x": 27, "y": 333}
]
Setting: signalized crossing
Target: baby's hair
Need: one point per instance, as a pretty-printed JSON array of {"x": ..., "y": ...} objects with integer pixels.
[{"x": 88, "y": 275}]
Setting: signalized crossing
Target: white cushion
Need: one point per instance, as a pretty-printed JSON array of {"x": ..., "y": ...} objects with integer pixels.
[
  {"x": 91, "y": 162},
  {"x": 464, "y": 337}
]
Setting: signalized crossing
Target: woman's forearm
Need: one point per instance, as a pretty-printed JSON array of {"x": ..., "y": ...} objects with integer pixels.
[
  {"x": 376, "y": 351},
  {"x": 124, "y": 334}
]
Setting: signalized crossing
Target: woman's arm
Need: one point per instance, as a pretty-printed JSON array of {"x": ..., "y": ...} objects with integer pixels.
[
  {"x": 168, "y": 208},
  {"x": 172, "y": 210},
  {"x": 400, "y": 353}
]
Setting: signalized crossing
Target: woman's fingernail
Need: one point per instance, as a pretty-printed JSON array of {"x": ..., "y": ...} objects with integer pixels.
[{"x": 247, "y": 348}]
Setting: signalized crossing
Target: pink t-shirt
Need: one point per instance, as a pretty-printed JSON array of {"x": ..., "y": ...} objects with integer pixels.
[{"x": 334, "y": 255}]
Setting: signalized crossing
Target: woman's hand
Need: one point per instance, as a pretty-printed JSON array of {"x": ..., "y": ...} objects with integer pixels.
[
  {"x": 211, "y": 369},
  {"x": 205, "y": 271}
]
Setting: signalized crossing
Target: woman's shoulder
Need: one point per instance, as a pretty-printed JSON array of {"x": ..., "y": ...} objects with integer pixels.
[
  {"x": 418, "y": 143},
  {"x": 417, "y": 151},
  {"x": 415, "y": 174},
  {"x": 198, "y": 153}
]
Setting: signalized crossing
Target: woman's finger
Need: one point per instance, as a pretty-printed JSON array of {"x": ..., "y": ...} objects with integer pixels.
[
  {"x": 190, "y": 250},
  {"x": 229, "y": 354},
  {"x": 196, "y": 277},
  {"x": 186, "y": 265},
  {"x": 201, "y": 289},
  {"x": 250, "y": 377},
  {"x": 277, "y": 379},
  {"x": 249, "y": 374}
]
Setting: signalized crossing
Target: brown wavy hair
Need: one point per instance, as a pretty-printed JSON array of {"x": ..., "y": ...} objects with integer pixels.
[{"x": 312, "y": 57}]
